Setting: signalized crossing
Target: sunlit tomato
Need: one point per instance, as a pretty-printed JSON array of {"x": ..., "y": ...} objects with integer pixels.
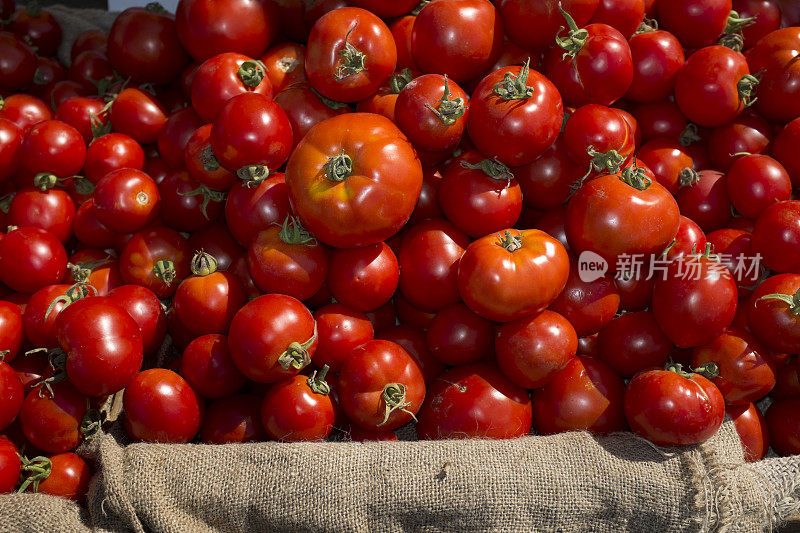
[
  {"x": 777, "y": 236},
  {"x": 233, "y": 419},
  {"x": 138, "y": 114},
  {"x": 224, "y": 76},
  {"x": 285, "y": 64},
  {"x": 703, "y": 197},
  {"x": 696, "y": 23},
  {"x": 380, "y": 386},
  {"x": 363, "y": 278},
  {"x": 126, "y": 200},
  {"x": 85, "y": 114},
  {"x": 12, "y": 394},
  {"x": 38, "y": 323},
  {"x": 112, "y": 152},
  {"x": 25, "y": 110},
  {"x": 95, "y": 267},
  {"x": 773, "y": 57},
  {"x": 598, "y": 138},
  {"x": 306, "y": 108},
  {"x": 773, "y": 313},
  {"x": 624, "y": 15},
  {"x": 689, "y": 239},
  {"x": 161, "y": 407},
  {"x": 672, "y": 407},
  {"x": 10, "y": 466},
  {"x": 299, "y": 409},
  {"x": 272, "y": 338},
  {"x": 253, "y": 208},
  {"x": 145, "y": 309},
  {"x": 52, "y": 422},
  {"x": 201, "y": 163},
  {"x": 748, "y": 133},
  {"x": 751, "y": 426},
  {"x": 10, "y": 142},
  {"x": 31, "y": 258},
  {"x": 340, "y": 329},
  {"x": 589, "y": 305},
  {"x": 432, "y": 111},
  {"x": 68, "y": 476},
  {"x": 207, "y": 366},
  {"x": 657, "y": 57},
  {"x": 156, "y": 258},
  {"x": 460, "y": 38},
  {"x": 756, "y": 182},
  {"x": 534, "y": 25},
  {"x": 52, "y": 210},
  {"x": 354, "y": 180},
  {"x": 53, "y": 147},
  {"x": 667, "y": 158}
]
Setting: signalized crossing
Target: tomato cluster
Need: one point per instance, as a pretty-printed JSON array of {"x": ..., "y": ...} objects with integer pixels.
[{"x": 308, "y": 220}]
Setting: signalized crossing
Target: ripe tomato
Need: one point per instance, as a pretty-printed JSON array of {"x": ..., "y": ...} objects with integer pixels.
[
  {"x": 783, "y": 422},
  {"x": 714, "y": 86},
  {"x": 460, "y": 38},
  {"x": 380, "y": 386},
  {"x": 299, "y": 409},
  {"x": 432, "y": 111},
  {"x": 694, "y": 299},
  {"x": 207, "y": 27},
  {"x": 112, "y": 152},
  {"x": 224, "y": 76},
  {"x": 10, "y": 466},
  {"x": 156, "y": 258},
  {"x": 633, "y": 342},
  {"x": 474, "y": 401},
  {"x": 11, "y": 332},
  {"x": 773, "y": 313},
  {"x": 703, "y": 197},
  {"x": 175, "y": 134},
  {"x": 138, "y": 114},
  {"x": 340, "y": 329},
  {"x": 12, "y": 394},
  {"x": 251, "y": 129},
  {"x": 696, "y": 23},
  {"x": 65, "y": 475},
  {"x": 143, "y": 45},
  {"x": 217, "y": 241},
  {"x": 201, "y": 163},
  {"x": 598, "y": 138},
  {"x": 25, "y": 110},
  {"x": 749, "y": 133},
  {"x": 39, "y": 318},
  {"x": 52, "y": 421},
  {"x": 126, "y": 200},
  {"x": 31, "y": 258},
  {"x": 363, "y": 278},
  {"x": 776, "y": 236},
  {"x": 624, "y": 15},
  {"x": 688, "y": 240},
  {"x": 672, "y": 407},
  {"x": 751, "y": 426},
  {"x": 667, "y": 158},
  {"x": 233, "y": 419},
  {"x": 187, "y": 205},
  {"x": 53, "y": 147},
  {"x": 253, "y": 207},
  {"x": 547, "y": 182},
  {"x": 285, "y": 64},
  {"x": 145, "y": 309},
  {"x": 306, "y": 108},
  {"x": 10, "y": 153},
  {"x": 785, "y": 147},
  {"x": 402, "y": 30},
  {"x": 508, "y": 275},
  {"x": 103, "y": 345},
  {"x": 755, "y": 182},
  {"x": 52, "y": 210},
  {"x": 351, "y": 52},
  {"x": 85, "y": 114},
  {"x": 18, "y": 65},
  {"x": 534, "y": 25},
  {"x": 161, "y": 407},
  {"x": 207, "y": 366},
  {"x": 354, "y": 180},
  {"x": 774, "y": 58},
  {"x": 457, "y": 336},
  {"x": 92, "y": 69},
  {"x": 272, "y": 338},
  {"x": 588, "y": 305},
  {"x": 412, "y": 340}
]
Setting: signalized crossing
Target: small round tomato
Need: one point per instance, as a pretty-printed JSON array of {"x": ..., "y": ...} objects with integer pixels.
[
  {"x": 272, "y": 338},
  {"x": 31, "y": 258},
  {"x": 10, "y": 143},
  {"x": 457, "y": 336},
  {"x": 588, "y": 305},
  {"x": 12, "y": 394},
  {"x": 85, "y": 114},
  {"x": 299, "y": 409},
  {"x": 287, "y": 259},
  {"x": 773, "y": 58},
  {"x": 785, "y": 148},
  {"x": 18, "y": 64},
  {"x": 208, "y": 367},
  {"x": 53, "y": 147},
  {"x": 25, "y": 110},
  {"x": 157, "y": 258},
  {"x": 667, "y": 158},
  {"x": 92, "y": 69},
  {"x": 233, "y": 419},
  {"x": 112, "y": 152},
  {"x": 660, "y": 119},
  {"x": 547, "y": 182},
  {"x": 161, "y": 407},
  {"x": 432, "y": 111},
  {"x": 696, "y": 23},
  {"x": 534, "y": 25},
  {"x": 138, "y": 114},
  {"x": 145, "y": 309},
  {"x": 306, "y": 108},
  {"x": 755, "y": 182},
  {"x": 672, "y": 407},
  {"x": 657, "y": 57},
  {"x": 253, "y": 207},
  {"x": 65, "y": 475},
  {"x": 380, "y": 386},
  {"x": 340, "y": 329},
  {"x": 187, "y": 205},
  {"x": 598, "y": 138},
  {"x": 363, "y": 278},
  {"x": 10, "y": 466},
  {"x": 39, "y": 318},
  {"x": 412, "y": 340},
  {"x": 508, "y": 275},
  {"x": 748, "y": 133},
  {"x": 703, "y": 197},
  {"x": 285, "y": 64},
  {"x": 11, "y": 332},
  {"x": 777, "y": 236},
  {"x": 51, "y": 417},
  {"x": 633, "y": 342},
  {"x": 175, "y": 134},
  {"x": 52, "y": 210},
  {"x": 773, "y": 313},
  {"x": 474, "y": 401},
  {"x": 224, "y": 76},
  {"x": 783, "y": 422},
  {"x": 126, "y": 200},
  {"x": 201, "y": 163},
  {"x": 624, "y": 15},
  {"x": 351, "y": 52},
  {"x": 751, "y": 426}
]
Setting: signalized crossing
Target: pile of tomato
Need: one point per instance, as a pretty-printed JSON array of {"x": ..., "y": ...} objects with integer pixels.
[{"x": 341, "y": 218}]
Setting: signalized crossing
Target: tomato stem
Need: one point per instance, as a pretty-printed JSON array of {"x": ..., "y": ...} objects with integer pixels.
[
  {"x": 38, "y": 468},
  {"x": 448, "y": 110},
  {"x": 81, "y": 271},
  {"x": 209, "y": 195},
  {"x": 747, "y": 87},
  {"x": 512, "y": 243},
  {"x": 689, "y": 135},
  {"x": 293, "y": 232},
  {"x": 515, "y": 87},
  {"x": 352, "y": 58},
  {"x": 333, "y": 104},
  {"x": 203, "y": 264},
  {"x": 398, "y": 81},
  {"x": 417, "y": 9},
  {"x": 91, "y": 423},
  {"x": 609, "y": 162},
  {"x": 252, "y": 72},
  {"x": 338, "y": 167},
  {"x": 317, "y": 382},
  {"x": 688, "y": 177},
  {"x": 636, "y": 177},
  {"x": 252, "y": 175},
  {"x": 83, "y": 186},
  {"x": 208, "y": 159},
  {"x": 75, "y": 292},
  {"x": 647, "y": 26},
  {"x": 709, "y": 370},
  {"x": 576, "y": 37},
  {"x": 296, "y": 354},
  {"x": 5, "y": 202},
  {"x": 792, "y": 301},
  {"x": 165, "y": 271},
  {"x": 736, "y": 23},
  {"x": 155, "y": 7},
  {"x": 45, "y": 181},
  {"x": 492, "y": 168},
  {"x": 394, "y": 398}
]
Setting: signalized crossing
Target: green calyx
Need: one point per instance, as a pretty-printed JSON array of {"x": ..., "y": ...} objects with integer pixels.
[
  {"x": 688, "y": 177},
  {"x": 689, "y": 135},
  {"x": 316, "y": 382},
  {"x": 252, "y": 175},
  {"x": 448, "y": 110},
  {"x": 164, "y": 270},
  {"x": 155, "y": 7},
  {"x": 793, "y": 301},
  {"x": 203, "y": 264},
  {"x": 747, "y": 89},
  {"x": 81, "y": 271},
  {"x": 512, "y": 243},
  {"x": 513, "y": 87},
  {"x": 399, "y": 80},
  {"x": 492, "y": 168},
  {"x": 252, "y": 72},
  {"x": 208, "y": 159},
  {"x": 293, "y": 232},
  {"x": 394, "y": 399},
  {"x": 78, "y": 291},
  {"x": 339, "y": 167},
  {"x": 333, "y": 104},
  {"x": 34, "y": 471},
  {"x": 209, "y": 195},
  {"x": 647, "y": 26},
  {"x": 636, "y": 177},
  {"x": 576, "y": 37},
  {"x": 45, "y": 180},
  {"x": 707, "y": 370},
  {"x": 609, "y": 162},
  {"x": 296, "y": 354},
  {"x": 5, "y": 202},
  {"x": 353, "y": 59},
  {"x": 417, "y": 9}
]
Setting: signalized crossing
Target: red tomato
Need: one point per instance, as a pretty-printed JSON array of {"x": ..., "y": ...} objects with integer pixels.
[
  {"x": 667, "y": 158},
  {"x": 156, "y": 258},
  {"x": 112, "y": 152},
  {"x": 52, "y": 210},
  {"x": 233, "y": 419},
  {"x": 783, "y": 422},
  {"x": 380, "y": 386},
  {"x": 10, "y": 153},
  {"x": 402, "y": 30},
  {"x": 432, "y": 111},
  {"x": 10, "y": 466},
  {"x": 161, "y": 407},
  {"x": 53, "y": 147},
  {"x": 306, "y": 108},
  {"x": 534, "y": 25},
  {"x": 299, "y": 409},
  {"x": 773, "y": 313},
  {"x": 457, "y": 336},
  {"x": 12, "y": 394},
  {"x": 588, "y": 305},
  {"x": 272, "y": 338},
  {"x": 25, "y": 110},
  {"x": 547, "y": 182},
  {"x": 31, "y": 258},
  {"x": 145, "y": 309},
  {"x": 785, "y": 148},
  {"x": 363, "y": 278},
  {"x": 696, "y": 23},
  {"x": 703, "y": 197},
  {"x": 285, "y": 64},
  {"x": 413, "y": 341},
  {"x": 672, "y": 407},
  {"x": 11, "y": 333},
  {"x": 340, "y": 329},
  {"x": 633, "y": 342},
  {"x": 694, "y": 299},
  {"x": 777, "y": 236},
  {"x": 354, "y": 180},
  {"x": 751, "y": 426},
  {"x": 209, "y": 369},
  {"x": 584, "y": 395},
  {"x": 598, "y": 138},
  {"x": 460, "y": 38},
  {"x": 508, "y": 275},
  {"x": 65, "y": 475},
  {"x": 755, "y": 182},
  {"x": 224, "y": 76},
  {"x": 659, "y": 119},
  {"x": 187, "y": 205},
  {"x": 126, "y": 200},
  {"x": 92, "y": 69},
  {"x": 138, "y": 114},
  {"x": 201, "y": 163},
  {"x": 749, "y": 133},
  {"x": 143, "y": 45},
  {"x": 85, "y": 114},
  {"x": 39, "y": 318},
  {"x": 624, "y": 15},
  {"x": 217, "y": 241},
  {"x": 689, "y": 239},
  {"x": 251, "y": 208},
  {"x": 175, "y": 134},
  {"x": 773, "y": 57},
  {"x": 52, "y": 421},
  {"x": 18, "y": 67}
]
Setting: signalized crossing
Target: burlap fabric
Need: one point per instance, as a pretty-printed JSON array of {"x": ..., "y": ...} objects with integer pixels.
[{"x": 568, "y": 482}]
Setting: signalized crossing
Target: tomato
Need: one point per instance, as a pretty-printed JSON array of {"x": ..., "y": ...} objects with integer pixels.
[
  {"x": 10, "y": 142},
  {"x": 402, "y": 29},
  {"x": 187, "y": 205},
  {"x": 428, "y": 262},
  {"x": 773, "y": 313},
  {"x": 251, "y": 129},
  {"x": 285, "y": 64},
  {"x": 39, "y": 28},
  {"x": 299, "y": 409},
  {"x": 161, "y": 407},
  {"x": 508, "y": 275},
  {"x": 755, "y": 182},
  {"x": 31, "y": 258},
  {"x": 209, "y": 369},
  {"x": 460, "y": 38},
  {"x": 479, "y": 195},
  {"x": 777, "y": 236},
  {"x": 272, "y": 338},
  {"x": 143, "y": 45},
  {"x": 18, "y": 64},
  {"x": 767, "y": 15},
  {"x": 88, "y": 40},
  {"x": 233, "y": 419},
  {"x": 773, "y": 57},
  {"x": 380, "y": 386},
  {"x": 340, "y": 329},
  {"x": 432, "y": 111},
  {"x": 93, "y": 70},
  {"x": 217, "y": 241},
  {"x": 138, "y": 114},
  {"x": 250, "y": 209},
  {"x": 515, "y": 115},
  {"x": 156, "y": 258},
  {"x": 89, "y": 230},
  {"x": 457, "y": 336},
  {"x": 534, "y": 25},
  {"x": 10, "y": 466},
  {"x": 85, "y": 114},
  {"x": 696, "y": 23},
  {"x": 25, "y": 110},
  {"x": 363, "y": 278},
  {"x": 126, "y": 200},
  {"x": 144, "y": 307},
  {"x": 694, "y": 299},
  {"x": 745, "y": 372},
  {"x": 703, "y": 197},
  {"x": 547, "y": 182},
  {"x": 688, "y": 240},
  {"x": 351, "y": 53},
  {"x": 12, "y": 394},
  {"x": 751, "y": 426},
  {"x": 11, "y": 332},
  {"x": 409, "y": 315},
  {"x": 384, "y": 100},
  {"x": 52, "y": 421},
  {"x": 624, "y": 15},
  {"x": 354, "y": 180},
  {"x": 598, "y": 138},
  {"x": 38, "y": 323},
  {"x": 667, "y": 158},
  {"x": 53, "y": 147},
  {"x": 413, "y": 341},
  {"x": 672, "y": 407},
  {"x": 657, "y": 57},
  {"x": 224, "y": 76},
  {"x": 714, "y": 86},
  {"x": 306, "y": 108},
  {"x": 749, "y": 133},
  {"x": 588, "y": 305},
  {"x": 201, "y": 163},
  {"x": 65, "y": 475},
  {"x": 783, "y": 423},
  {"x": 207, "y": 27},
  {"x": 52, "y": 210},
  {"x": 112, "y": 152},
  {"x": 175, "y": 134},
  {"x": 633, "y": 342}
]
